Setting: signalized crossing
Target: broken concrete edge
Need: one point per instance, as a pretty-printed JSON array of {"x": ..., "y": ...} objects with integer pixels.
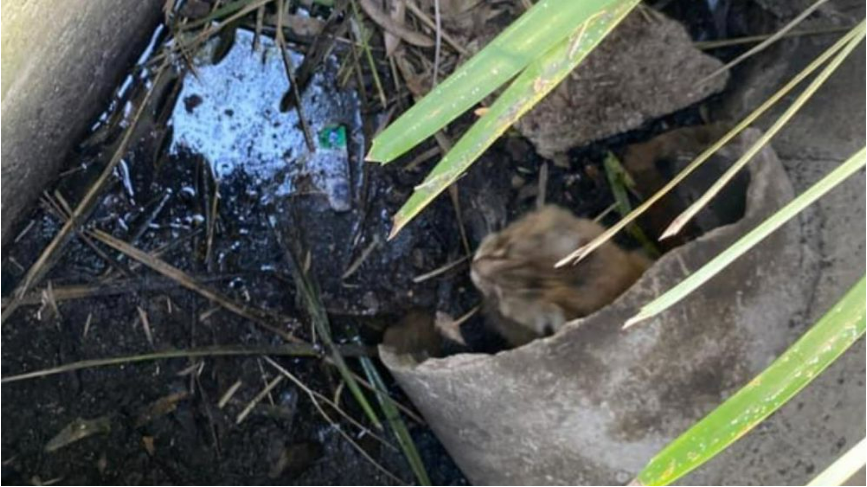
[
  {"x": 643, "y": 70},
  {"x": 593, "y": 404},
  {"x": 60, "y": 81},
  {"x": 756, "y": 196}
]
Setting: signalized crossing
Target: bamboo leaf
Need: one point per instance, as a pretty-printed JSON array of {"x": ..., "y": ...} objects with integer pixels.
[
  {"x": 536, "y": 81},
  {"x": 582, "y": 252},
  {"x": 542, "y": 27},
  {"x": 789, "y": 374},
  {"x": 748, "y": 241},
  {"x": 781, "y": 122}
]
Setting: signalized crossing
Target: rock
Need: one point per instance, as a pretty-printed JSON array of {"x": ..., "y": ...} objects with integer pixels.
[
  {"x": 644, "y": 69},
  {"x": 592, "y": 404}
]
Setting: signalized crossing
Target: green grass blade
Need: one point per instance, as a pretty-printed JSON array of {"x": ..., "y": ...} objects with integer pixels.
[
  {"x": 540, "y": 77},
  {"x": 710, "y": 151},
  {"x": 398, "y": 427},
  {"x": 540, "y": 28},
  {"x": 621, "y": 182},
  {"x": 712, "y": 268},
  {"x": 781, "y": 122},
  {"x": 791, "y": 372},
  {"x": 223, "y": 12},
  {"x": 844, "y": 467},
  {"x": 365, "y": 46},
  {"x": 313, "y": 303}
]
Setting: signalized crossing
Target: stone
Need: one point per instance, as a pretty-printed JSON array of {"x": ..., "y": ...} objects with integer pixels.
[{"x": 646, "y": 68}]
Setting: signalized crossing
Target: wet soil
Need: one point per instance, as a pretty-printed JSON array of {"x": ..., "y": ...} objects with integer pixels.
[{"x": 165, "y": 425}]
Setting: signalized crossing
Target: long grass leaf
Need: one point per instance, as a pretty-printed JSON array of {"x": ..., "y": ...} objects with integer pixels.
[
  {"x": 737, "y": 41},
  {"x": 844, "y": 467},
  {"x": 536, "y": 81},
  {"x": 398, "y": 427},
  {"x": 316, "y": 309},
  {"x": 820, "y": 346},
  {"x": 362, "y": 38},
  {"x": 582, "y": 252},
  {"x": 222, "y": 12},
  {"x": 778, "y": 125},
  {"x": 292, "y": 349},
  {"x": 621, "y": 182},
  {"x": 538, "y": 30},
  {"x": 748, "y": 241}
]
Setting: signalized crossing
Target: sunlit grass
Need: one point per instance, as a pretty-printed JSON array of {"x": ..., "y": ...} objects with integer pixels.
[{"x": 841, "y": 326}]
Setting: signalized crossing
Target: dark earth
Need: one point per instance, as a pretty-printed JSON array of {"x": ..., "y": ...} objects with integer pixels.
[{"x": 158, "y": 422}]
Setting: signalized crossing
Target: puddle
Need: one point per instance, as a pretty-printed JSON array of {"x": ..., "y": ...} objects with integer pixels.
[{"x": 229, "y": 112}]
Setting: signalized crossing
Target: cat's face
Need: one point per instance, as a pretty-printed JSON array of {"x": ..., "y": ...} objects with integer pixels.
[{"x": 515, "y": 270}]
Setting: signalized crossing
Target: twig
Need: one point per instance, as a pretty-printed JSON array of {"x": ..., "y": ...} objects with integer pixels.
[
  {"x": 264, "y": 378},
  {"x": 227, "y": 396},
  {"x": 317, "y": 396},
  {"x": 260, "y": 17},
  {"x": 25, "y": 231},
  {"x": 393, "y": 26},
  {"x": 469, "y": 314},
  {"x": 289, "y": 349},
  {"x": 290, "y": 75},
  {"x": 145, "y": 323},
  {"x": 543, "y": 186},
  {"x": 423, "y": 17},
  {"x": 135, "y": 284},
  {"x": 605, "y": 212},
  {"x": 456, "y": 204},
  {"x": 61, "y": 210},
  {"x": 209, "y": 31},
  {"x": 207, "y": 405},
  {"x": 319, "y": 320},
  {"x": 404, "y": 409},
  {"x": 423, "y": 157},
  {"x": 764, "y": 44},
  {"x": 361, "y": 258},
  {"x": 87, "y": 323},
  {"x": 267, "y": 390},
  {"x": 188, "y": 282},
  {"x": 439, "y": 271},
  {"x": 211, "y": 214},
  {"x": 362, "y": 37},
  {"x": 438, "y": 44},
  {"x": 38, "y": 269},
  {"x": 323, "y": 44},
  {"x": 705, "y": 45}
]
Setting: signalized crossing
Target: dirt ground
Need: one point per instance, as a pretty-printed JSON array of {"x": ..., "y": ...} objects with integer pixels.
[{"x": 159, "y": 422}]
